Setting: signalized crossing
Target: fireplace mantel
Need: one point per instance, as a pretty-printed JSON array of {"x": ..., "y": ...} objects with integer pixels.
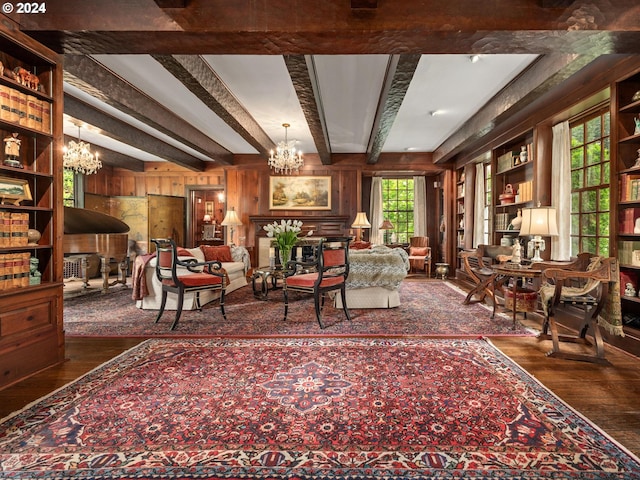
[{"x": 321, "y": 225}]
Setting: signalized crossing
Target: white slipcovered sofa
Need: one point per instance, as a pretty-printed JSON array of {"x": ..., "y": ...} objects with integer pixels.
[{"x": 236, "y": 270}]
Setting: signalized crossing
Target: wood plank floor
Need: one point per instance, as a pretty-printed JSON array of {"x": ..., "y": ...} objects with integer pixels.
[{"x": 607, "y": 395}]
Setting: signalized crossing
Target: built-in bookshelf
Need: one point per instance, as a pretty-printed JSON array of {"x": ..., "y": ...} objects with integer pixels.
[
  {"x": 460, "y": 208},
  {"x": 627, "y": 138},
  {"x": 512, "y": 185},
  {"x": 31, "y": 331}
]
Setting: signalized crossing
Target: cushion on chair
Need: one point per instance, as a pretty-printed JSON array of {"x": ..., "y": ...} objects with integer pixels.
[
  {"x": 221, "y": 253},
  {"x": 333, "y": 257},
  {"x": 197, "y": 280},
  {"x": 418, "y": 251},
  {"x": 309, "y": 279}
]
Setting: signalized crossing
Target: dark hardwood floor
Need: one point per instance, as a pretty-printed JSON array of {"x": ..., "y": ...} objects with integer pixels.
[{"x": 607, "y": 395}]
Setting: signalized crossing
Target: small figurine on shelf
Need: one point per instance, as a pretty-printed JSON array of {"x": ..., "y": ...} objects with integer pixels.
[
  {"x": 524, "y": 155},
  {"x": 516, "y": 252},
  {"x": 12, "y": 151},
  {"x": 34, "y": 275},
  {"x": 637, "y": 122},
  {"x": 629, "y": 291}
]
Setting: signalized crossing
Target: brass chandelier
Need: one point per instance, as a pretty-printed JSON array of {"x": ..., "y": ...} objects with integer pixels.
[{"x": 286, "y": 159}]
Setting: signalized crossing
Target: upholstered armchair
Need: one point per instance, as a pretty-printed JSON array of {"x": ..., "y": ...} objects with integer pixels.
[{"x": 420, "y": 255}]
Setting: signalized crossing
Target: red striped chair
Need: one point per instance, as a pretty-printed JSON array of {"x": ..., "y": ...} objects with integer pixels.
[
  {"x": 331, "y": 270},
  {"x": 202, "y": 276}
]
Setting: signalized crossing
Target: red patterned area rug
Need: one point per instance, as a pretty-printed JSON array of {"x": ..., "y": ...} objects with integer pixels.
[
  {"x": 427, "y": 308},
  {"x": 332, "y": 408}
]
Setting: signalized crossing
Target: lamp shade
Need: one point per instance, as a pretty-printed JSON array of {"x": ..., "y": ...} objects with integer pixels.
[
  {"x": 361, "y": 221},
  {"x": 231, "y": 219},
  {"x": 386, "y": 225},
  {"x": 539, "y": 221},
  {"x": 206, "y": 218}
]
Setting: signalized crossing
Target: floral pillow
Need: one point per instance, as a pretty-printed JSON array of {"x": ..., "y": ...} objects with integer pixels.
[{"x": 220, "y": 254}]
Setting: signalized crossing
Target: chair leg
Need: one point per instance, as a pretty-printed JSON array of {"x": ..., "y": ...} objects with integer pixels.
[
  {"x": 224, "y": 315},
  {"x": 598, "y": 347},
  {"x": 286, "y": 303},
  {"x": 343, "y": 296},
  {"x": 316, "y": 301},
  {"x": 162, "y": 305},
  {"x": 178, "y": 309}
]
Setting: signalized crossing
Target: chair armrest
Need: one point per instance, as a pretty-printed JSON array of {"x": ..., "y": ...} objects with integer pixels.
[{"x": 197, "y": 267}]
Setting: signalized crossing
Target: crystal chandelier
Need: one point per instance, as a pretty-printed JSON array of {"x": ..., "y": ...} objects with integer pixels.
[
  {"x": 78, "y": 157},
  {"x": 286, "y": 158}
]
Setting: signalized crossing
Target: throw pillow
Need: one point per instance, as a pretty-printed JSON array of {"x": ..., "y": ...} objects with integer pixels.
[
  {"x": 418, "y": 251},
  {"x": 221, "y": 253},
  {"x": 183, "y": 252}
]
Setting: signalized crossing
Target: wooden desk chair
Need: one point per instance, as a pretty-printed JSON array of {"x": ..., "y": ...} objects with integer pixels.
[
  {"x": 331, "y": 268},
  {"x": 477, "y": 265},
  {"x": 203, "y": 276},
  {"x": 589, "y": 290}
]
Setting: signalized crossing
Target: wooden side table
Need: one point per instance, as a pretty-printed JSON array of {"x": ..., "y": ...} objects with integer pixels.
[{"x": 503, "y": 273}]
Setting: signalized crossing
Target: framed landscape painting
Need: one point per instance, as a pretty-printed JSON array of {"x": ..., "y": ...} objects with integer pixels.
[{"x": 300, "y": 193}]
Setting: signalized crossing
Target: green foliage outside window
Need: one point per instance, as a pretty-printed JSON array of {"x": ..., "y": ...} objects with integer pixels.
[
  {"x": 68, "y": 188},
  {"x": 590, "y": 179},
  {"x": 397, "y": 206}
]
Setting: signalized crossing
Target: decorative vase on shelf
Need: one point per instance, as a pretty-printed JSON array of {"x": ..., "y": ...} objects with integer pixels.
[
  {"x": 524, "y": 156},
  {"x": 516, "y": 223},
  {"x": 33, "y": 236}
]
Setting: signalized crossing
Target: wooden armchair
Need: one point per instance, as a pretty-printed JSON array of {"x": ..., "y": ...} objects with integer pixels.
[
  {"x": 476, "y": 264},
  {"x": 420, "y": 254},
  {"x": 590, "y": 290}
]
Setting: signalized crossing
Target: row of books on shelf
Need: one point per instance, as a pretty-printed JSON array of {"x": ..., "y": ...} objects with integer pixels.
[
  {"x": 14, "y": 229},
  {"x": 24, "y": 109},
  {"x": 14, "y": 270},
  {"x": 460, "y": 190},
  {"x": 525, "y": 191},
  {"x": 629, "y": 188},
  {"x": 502, "y": 221}
]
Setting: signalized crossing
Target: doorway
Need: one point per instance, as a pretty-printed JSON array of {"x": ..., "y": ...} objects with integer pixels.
[{"x": 205, "y": 212}]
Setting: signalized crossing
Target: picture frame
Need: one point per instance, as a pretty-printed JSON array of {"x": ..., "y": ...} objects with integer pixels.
[
  {"x": 300, "y": 193},
  {"x": 15, "y": 190}
]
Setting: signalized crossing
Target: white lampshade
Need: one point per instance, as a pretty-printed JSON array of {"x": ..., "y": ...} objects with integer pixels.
[
  {"x": 361, "y": 221},
  {"x": 231, "y": 219},
  {"x": 539, "y": 221},
  {"x": 206, "y": 218}
]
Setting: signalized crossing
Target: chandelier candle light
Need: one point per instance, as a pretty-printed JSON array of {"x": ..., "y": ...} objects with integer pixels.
[
  {"x": 286, "y": 158},
  {"x": 78, "y": 157}
]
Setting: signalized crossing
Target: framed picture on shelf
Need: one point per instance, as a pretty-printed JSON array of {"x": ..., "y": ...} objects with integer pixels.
[
  {"x": 14, "y": 190},
  {"x": 300, "y": 193}
]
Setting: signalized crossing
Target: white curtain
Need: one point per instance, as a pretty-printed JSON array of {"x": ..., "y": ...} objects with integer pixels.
[
  {"x": 478, "y": 207},
  {"x": 419, "y": 206},
  {"x": 375, "y": 207},
  {"x": 561, "y": 190}
]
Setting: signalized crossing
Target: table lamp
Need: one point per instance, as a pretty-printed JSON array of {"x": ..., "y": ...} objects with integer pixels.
[
  {"x": 360, "y": 222},
  {"x": 231, "y": 220},
  {"x": 385, "y": 227},
  {"x": 539, "y": 222}
]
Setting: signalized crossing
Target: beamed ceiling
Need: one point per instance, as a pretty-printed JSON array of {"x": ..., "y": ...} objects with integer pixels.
[{"x": 202, "y": 82}]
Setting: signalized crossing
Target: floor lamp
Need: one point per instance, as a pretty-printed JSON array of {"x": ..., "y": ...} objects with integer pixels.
[
  {"x": 231, "y": 220},
  {"x": 360, "y": 222}
]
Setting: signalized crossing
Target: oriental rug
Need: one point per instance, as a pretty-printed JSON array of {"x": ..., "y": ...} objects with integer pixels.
[
  {"x": 332, "y": 408},
  {"x": 427, "y": 308}
]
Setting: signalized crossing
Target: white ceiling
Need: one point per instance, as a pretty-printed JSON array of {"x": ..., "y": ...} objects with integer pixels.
[{"x": 349, "y": 90}]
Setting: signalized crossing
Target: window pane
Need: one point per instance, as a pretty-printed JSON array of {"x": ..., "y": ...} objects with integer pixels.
[
  {"x": 577, "y": 158},
  {"x": 576, "y": 179},
  {"x": 606, "y": 144},
  {"x": 605, "y": 200},
  {"x": 575, "y": 245},
  {"x": 594, "y": 151},
  {"x": 593, "y": 176},
  {"x": 575, "y": 202},
  {"x": 589, "y": 244},
  {"x": 603, "y": 246},
  {"x": 577, "y": 135},
  {"x": 606, "y": 172},
  {"x": 603, "y": 224},
  {"x": 588, "y": 203},
  {"x": 589, "y": 224},
  {"x": 594, "y": 129},
  {"x": 575, "y": 224}
]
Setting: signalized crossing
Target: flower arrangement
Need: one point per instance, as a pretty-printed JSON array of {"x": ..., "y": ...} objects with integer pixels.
[{"x": 285, "y": 234}]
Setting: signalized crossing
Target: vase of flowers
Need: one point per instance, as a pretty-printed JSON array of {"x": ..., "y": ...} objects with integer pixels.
[{"x": 285, "y": 234}]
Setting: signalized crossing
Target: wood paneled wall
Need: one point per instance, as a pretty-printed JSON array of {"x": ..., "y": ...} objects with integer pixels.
[{"x": 246, "y": 186}]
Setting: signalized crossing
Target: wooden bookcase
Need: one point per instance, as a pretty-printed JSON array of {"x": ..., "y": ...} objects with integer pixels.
[
  {"x": 31, "y": 327},
  {"x": 626, "y": 135},
  {"x": 460, "y": 208},
  {"x": 509, "y": 169}
]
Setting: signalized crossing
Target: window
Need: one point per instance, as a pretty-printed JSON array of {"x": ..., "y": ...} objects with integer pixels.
[
  {"x": 397, "y": 206},
  {"x": 487, "y": 203},
  {"x": 590, "y": 180},
  {"x": 72, "y": 188}
]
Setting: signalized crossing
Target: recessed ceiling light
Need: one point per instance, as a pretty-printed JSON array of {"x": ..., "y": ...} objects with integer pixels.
[
  {"x": 410, "y": 149},
  {"x": 474, "y": 58},
  {"x": 433, "y": 113}
]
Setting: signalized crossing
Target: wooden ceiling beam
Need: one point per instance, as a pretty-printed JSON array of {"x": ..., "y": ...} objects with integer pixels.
[
  {"x": 400, "y": 71},
  {"x": 200, "y": 79},
  {"x": 304, "y": 78},
  {"x": 125, "y": 133},
  {"x": 91, "y": 77}
]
